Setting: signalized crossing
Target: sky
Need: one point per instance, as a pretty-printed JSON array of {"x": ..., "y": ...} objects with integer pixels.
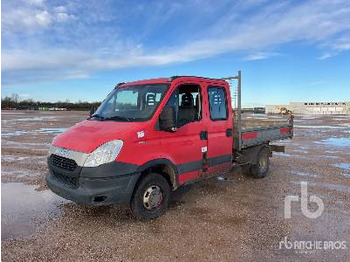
[{"x": 78, "y": 50}]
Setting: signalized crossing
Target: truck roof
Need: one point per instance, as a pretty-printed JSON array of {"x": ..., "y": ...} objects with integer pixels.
[{"x": 169, "y": 80}]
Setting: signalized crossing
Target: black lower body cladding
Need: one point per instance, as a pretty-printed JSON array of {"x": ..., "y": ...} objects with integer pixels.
[
  {"x": 104, "y": 185},
  {"x": 111, "y": 183}
]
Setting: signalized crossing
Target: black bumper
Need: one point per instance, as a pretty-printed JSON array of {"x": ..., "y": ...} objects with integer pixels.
[{"x": 104, "y": 185}]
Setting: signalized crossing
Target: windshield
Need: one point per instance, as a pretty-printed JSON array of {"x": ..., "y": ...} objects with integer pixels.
[{"x": 131, "y": 103}]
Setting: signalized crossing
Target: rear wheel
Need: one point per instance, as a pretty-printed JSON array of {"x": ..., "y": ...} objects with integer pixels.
[
  {"x": 261, "y": 168},
  {"x": 151, "y": 197}
]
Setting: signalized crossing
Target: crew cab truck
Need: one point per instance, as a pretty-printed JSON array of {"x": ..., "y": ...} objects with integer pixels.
[{"x": 151, "y": 137}]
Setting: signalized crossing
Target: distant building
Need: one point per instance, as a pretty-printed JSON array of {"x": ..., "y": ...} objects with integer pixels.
[
  {"x": 323, "y": 108},
  {"x": 44, "y": 108}
]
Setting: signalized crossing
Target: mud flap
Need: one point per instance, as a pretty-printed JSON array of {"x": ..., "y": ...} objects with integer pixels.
[{"x": 205, "y": 163}]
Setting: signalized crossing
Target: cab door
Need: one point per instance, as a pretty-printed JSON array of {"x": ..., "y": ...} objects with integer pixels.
[
  {"x": 219, "y": 129},
  {"x": 187, "y": 144}
]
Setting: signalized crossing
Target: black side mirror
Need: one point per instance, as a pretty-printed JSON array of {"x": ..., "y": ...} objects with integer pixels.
[
  {"x": 167, "y": 119},
  {"x": 92, "y": 110}
]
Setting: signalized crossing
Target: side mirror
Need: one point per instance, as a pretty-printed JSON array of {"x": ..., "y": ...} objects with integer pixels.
[
  {"x": 92, "y": 110},
  {"x": 167, "y": 119}
]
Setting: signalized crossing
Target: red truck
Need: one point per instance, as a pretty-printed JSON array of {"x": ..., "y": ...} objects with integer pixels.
[{"x": 151, "y": 137}]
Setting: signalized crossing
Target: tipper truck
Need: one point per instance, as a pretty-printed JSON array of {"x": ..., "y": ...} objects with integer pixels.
[{"x": 151, "y": 137}]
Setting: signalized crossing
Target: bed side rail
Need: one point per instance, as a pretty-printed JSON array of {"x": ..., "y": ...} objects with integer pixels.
[{"x": 262, "y": 135}]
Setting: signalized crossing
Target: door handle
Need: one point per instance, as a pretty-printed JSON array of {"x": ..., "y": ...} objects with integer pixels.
[
  {"x": 229, "y": 132},
  {"x": 203, "y": 135}
]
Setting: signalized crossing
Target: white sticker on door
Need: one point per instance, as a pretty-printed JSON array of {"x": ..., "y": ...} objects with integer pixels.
[{"x": 140, "y": 134}]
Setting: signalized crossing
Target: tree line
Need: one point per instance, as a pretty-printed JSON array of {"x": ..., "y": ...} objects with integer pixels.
[{"x": 14, "y": 102}]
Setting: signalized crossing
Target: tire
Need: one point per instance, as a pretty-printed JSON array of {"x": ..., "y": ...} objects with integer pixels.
[
  {"x": 151, "y": 197},
  {"x": 246, "y": 170},
  {"x": 261, "y": 168}
]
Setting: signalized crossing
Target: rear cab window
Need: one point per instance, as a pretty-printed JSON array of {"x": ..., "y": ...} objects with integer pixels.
[{"x": 217, "y": 103}]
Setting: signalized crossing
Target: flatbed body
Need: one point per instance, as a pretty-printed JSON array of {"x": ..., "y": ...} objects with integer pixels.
[{"x": 259, "y": 132}]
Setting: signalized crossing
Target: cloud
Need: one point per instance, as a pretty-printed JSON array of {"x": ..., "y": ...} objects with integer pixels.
[
  {"x": 315, "y": 83},
  {"x": 30, "y": 16},
  {"x": 44, "y": 18},
  {"x": 100, "y": 38},
  {"x": 336, "y": 46},
  {"x": 260, "y": 56},
  {"x": 62, "y": 17},
  {"x": 35, "y": 2},
  {"x": 60, "y": 9},
  {"x": 326, "y": 56}
]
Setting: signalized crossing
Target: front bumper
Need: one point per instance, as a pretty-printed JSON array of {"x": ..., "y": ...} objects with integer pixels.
[{"x": 104, "y": 185}]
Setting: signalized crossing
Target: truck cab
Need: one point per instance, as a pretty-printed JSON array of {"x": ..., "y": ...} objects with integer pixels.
[{"x": 145, "y": 140}]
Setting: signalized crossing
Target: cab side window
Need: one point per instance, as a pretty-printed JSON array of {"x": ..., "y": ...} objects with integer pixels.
[
  {"x": 217, "y": 103},
  {"x": 187, "y": 102}
]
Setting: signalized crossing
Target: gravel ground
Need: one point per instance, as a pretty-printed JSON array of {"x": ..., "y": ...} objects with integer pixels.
[{"x": 231, "y": 219}]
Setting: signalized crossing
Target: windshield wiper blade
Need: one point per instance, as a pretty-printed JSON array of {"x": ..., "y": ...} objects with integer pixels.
[{"x": 98, "y": 116}]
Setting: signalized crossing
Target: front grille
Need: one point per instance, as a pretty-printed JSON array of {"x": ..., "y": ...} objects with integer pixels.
[
  {"x": 63, "y": 162},
  {"x": 71, "y": 181}
]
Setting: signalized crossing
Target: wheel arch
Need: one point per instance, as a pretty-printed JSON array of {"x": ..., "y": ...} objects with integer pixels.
[
  {"x": 164, "y": 167},
  {"x": 251, "y": 154}
]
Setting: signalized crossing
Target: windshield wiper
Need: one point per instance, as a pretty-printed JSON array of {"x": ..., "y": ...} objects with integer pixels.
[
  {"x": 118, "y": 118},
  {"x": 98, "y": 117}
]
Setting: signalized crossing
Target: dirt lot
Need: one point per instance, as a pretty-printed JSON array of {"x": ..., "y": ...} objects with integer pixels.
[{"x": 231, "y": 219}]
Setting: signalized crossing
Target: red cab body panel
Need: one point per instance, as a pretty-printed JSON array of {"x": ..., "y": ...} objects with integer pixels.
[{"x": 192, "y": 155}]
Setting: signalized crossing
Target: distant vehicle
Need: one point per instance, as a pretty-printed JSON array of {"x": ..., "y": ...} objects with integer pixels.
[{"x": 151, "y": 137}]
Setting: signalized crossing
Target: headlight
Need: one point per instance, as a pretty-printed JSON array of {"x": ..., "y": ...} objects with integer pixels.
[{"x": 105, "y": 153}]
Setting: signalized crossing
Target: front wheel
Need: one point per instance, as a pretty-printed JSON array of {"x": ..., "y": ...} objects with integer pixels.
[{"x": 151, "y": 197}]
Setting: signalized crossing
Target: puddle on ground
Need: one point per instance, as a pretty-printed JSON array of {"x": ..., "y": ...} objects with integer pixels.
[
  {"x": 14, "y": 133},
  {"x": 300, "y": 151},
  {"x": 284, "y": 141},
  {"x": 225, "y": 179},
  {"x": 32, "y": 119},
  {"x": 280, "y": 154},
  {"x": 24, "y": 145},
  {"x": 346, "y": 168},
  {"x": 330, "y": 157},
  {"x": 300, "y": 173},
  {"x": 331, "y": 152},
  {"x": 336, "y": 141},
  {"x": 20, "y": 158},
  {"x": 342, "y": 165},
  {"x": 50, "y": 130},
  {"x": 339, "y": 188},
  {"x": 23, "y": 209},
  {"x": 319, "y": 127},
  {"x": 38, "y": 131}
]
